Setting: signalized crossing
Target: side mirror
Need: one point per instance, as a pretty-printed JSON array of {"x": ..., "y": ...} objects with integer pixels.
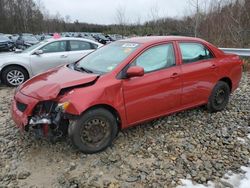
[
  {"x": 38, "y": 52},
  {"x": 135, "y": 71}
]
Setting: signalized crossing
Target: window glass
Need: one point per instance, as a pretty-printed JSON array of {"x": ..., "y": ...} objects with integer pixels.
[
  {"x": 59, "y": 46},
  {"x": 79, "y": 45},
  {"x": 108, "y": 57},
  {"x": 193, "y": 52},
  {"x": 156, "y": 58}
]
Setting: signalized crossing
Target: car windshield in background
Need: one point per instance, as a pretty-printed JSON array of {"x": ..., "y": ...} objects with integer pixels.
[
  {"x": 2, "y": 37},
  {"x": 107, "y": 58},
  {"x": 33, "y": 47},
  {"x": 30, "y": 38}
]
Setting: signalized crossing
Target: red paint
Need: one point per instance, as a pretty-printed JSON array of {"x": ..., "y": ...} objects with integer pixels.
[
  {"x": 135, "y": 71},
  {"x": 45, "y": 130},
  {"x": 135, "y": 99}
]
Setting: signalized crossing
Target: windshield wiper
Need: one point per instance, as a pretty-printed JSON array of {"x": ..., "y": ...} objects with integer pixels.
[{"x": 82, "y": 69}]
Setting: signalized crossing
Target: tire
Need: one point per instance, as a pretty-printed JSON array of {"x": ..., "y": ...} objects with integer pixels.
[
  {"x": 94, "y": 131},
  {"x": 219, "y": 97},
  {"x": 20, "y": 72}
]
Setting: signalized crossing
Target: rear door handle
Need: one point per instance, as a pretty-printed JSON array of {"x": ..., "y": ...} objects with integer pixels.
[
  {"x": 174, "y": 75},
  {"x": 63, "y": 56}
]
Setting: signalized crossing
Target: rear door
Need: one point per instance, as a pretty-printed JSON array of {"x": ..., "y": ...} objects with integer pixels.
[
  {"x": 54, "y": 54},
  {"x": 199, "y": 73},
  {"x": 79, "y": 49},
  {"x": 158, "y": 91}
]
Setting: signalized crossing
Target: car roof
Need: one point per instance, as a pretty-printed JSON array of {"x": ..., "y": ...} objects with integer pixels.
[
  {"x": 71, "y": 38},
  {"x": 155, "y": 39}
]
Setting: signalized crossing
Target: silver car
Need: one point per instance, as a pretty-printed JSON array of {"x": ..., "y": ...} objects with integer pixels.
[{"x": 16, "y": 68}]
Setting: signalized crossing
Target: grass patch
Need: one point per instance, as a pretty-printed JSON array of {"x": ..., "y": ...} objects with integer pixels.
[{"x": 246, "y": 64}]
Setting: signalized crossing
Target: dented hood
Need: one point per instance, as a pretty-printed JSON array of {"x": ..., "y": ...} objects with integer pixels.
[{"x": 47, "y": 86}]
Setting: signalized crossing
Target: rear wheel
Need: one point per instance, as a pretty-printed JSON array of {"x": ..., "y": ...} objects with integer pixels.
[
  {"x": 94, "y": 131},
  {"x": 219, "y": 97},
  {"x": 14, "y": 76}
]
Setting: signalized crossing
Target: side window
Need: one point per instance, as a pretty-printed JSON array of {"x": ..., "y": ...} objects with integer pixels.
[
  {"x": 193, "y": 52},
  {"x": 59, "y": 46},
  {"x": 80, "y": 45},
  {"x": 157, "y": 57},
  {"x": 94, "y": 46}
]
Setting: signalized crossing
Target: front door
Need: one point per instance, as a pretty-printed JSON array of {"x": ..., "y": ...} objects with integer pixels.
[
  {"x": 54, "y": 54},
  {"x": 158, "y": 91}
]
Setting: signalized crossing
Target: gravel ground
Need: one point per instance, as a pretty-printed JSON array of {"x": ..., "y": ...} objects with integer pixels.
[{"x": 193, "y": 145}]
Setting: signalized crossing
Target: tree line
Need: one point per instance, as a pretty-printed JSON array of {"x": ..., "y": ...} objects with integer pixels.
[{"x": 223, "y": 22}]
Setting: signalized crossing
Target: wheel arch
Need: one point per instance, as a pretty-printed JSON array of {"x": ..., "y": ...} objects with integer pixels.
[
  {"x": 110, "y": 109},
  {"x": 15, "y": 65},
  {"x": 228, "y": 81}
]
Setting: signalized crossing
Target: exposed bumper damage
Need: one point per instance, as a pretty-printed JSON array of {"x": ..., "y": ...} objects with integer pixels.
[
  {"x": 43, "y": 118},
  {"x": 42, "y": 109}
]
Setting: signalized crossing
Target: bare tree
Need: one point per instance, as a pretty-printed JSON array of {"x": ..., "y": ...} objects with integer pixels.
[
  {"x": 196, "y": 5},
  {"x": 121, "y": 19},
  {"x": 121, "y": 15}
]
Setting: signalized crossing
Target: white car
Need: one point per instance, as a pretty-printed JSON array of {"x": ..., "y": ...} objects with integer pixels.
[{"x": 16, "y": 68}]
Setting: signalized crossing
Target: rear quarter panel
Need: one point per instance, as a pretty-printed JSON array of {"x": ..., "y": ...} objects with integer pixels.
[{"x": 230, "y": 66}]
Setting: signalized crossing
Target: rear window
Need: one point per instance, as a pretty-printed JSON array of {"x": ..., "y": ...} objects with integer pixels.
[
  {"x": 193, "y": 52},
  {"x": 80, "y": 45}
]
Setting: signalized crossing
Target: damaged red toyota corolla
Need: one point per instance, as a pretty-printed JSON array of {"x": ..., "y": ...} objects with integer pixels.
[{"x": 123, "y": 84}]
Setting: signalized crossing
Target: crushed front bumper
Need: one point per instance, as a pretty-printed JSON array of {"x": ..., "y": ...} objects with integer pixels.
[{"x": 21, "y": 109}]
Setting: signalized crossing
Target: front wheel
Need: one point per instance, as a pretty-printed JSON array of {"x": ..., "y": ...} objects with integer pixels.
[
  {"x": 94, "y": 131},
  {"x": 14, "y": 76},
  {"x": 219, "y": 97}
]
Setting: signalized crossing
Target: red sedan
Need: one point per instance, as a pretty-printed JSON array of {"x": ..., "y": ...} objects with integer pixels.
[{"x": 125, "y": 83}]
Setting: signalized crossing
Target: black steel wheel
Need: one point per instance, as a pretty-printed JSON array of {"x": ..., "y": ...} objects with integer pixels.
[
  {"x": 219, "y": 97},
  {"x": 94, "y": 131}
]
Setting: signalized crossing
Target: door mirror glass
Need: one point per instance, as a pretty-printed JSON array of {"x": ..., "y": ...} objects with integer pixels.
[
  {"x": 38, "y": 52},
  {"x": 135, "y": 71}
]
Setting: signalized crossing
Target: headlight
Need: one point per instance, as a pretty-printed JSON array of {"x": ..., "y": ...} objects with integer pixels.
[{"x": 63, "y": 106}]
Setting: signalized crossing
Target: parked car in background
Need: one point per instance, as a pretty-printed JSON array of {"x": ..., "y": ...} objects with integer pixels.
[
  {"x": 14, "y": 38},
  {"x": 110, "y": 38},
  {"x": 101, "y": 38},
  {"x": 9, "y": 36},
  {"x": 26, "y": 40},
  {"x": 123, "y": 84},
  {"x": 16, "y": 68},
  {"x": 88, "y": 36},
  {"x": 6, "y": 44}
]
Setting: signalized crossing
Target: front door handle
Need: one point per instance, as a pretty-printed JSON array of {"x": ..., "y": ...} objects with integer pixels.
[
  {"x": 63, "y": 56},
  {"x": 174, "y": 75},
  {"x": 213, "y": 66}
]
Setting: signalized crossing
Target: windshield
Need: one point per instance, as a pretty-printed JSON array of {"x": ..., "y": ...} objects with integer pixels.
[
  {"x": 108, "y": 57},
  {"x": 2, "y": 37},
  {"x": 33, "y": 47},
  {"x": 30, "y": 38}
]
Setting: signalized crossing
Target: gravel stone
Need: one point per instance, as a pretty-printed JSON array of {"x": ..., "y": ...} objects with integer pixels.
[{"x": 192, "y": 144}]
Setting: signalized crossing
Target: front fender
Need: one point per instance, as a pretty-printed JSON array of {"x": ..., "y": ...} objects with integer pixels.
[{"x": 81, "y": 99}]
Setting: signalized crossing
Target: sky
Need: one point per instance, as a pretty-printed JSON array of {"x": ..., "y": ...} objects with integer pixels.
[{"x": 105, "y": 11}]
